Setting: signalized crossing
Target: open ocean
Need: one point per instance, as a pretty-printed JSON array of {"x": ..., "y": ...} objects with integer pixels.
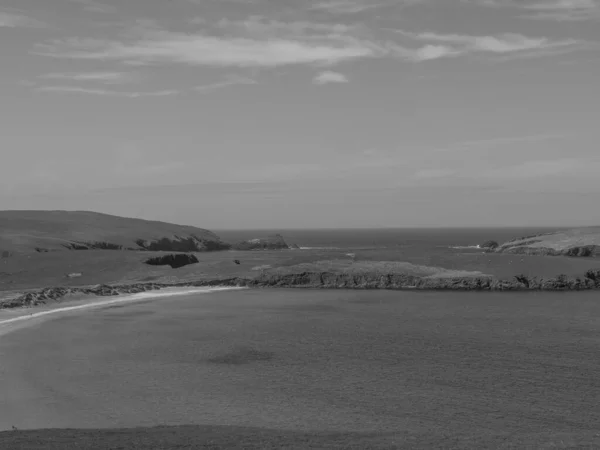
[{"x": 432, "y": 239}]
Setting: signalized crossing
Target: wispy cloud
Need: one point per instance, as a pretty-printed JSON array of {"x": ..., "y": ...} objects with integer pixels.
[
  {"x": 558, "y": 10},
  {"x": 203, "y": 50},
  {"x": 328, "y": 76},
  {"x": 99, "y": 77},
  {"x": 501, "y": 44},
  {"x": 104, "y": 92},
  {"x": 13, "y": 20},
  {"x": 230, "y": 80},
  {"x": 358, "y": 6},
  {"x": 565, "y": 10},
  {"x": 260, "y": 43},
  {"x": 347, "y": 6}
]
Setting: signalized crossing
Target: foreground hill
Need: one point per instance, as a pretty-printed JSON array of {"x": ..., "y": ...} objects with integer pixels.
[
  {"x": 44, "y": 231},
  {"x": 574, "y": 242}
]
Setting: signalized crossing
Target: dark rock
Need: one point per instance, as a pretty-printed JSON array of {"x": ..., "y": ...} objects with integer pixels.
[
  {"x": 489, "y": 245},
  {"x": 275, "y": 242},
  {"x": 175, "y": 261},
  {"x": 180, "y": 244},
  {"x": 6, "y": 254},
  {"x": 584, "y": 251},
  {"x": 237, "y": 261},
  {"x": 294, "y": 246}
]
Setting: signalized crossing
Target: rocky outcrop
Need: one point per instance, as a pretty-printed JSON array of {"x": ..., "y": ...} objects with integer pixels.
[
  {"x": 582, "y": 251},
  {"x": 294, "y": 247},
  {"x": 329, "y": 280},
  {"x": 175, "y": 261},
  {"x": 489, "y": 245},
  {"x": 275, "y": 242},
  {"x": 74, "y": 245},
  {"x": 182, "y": 244},
  {"x": 577, "y": 242}
]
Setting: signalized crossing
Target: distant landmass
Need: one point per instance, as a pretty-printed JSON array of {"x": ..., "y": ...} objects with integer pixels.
[
  {"x": 45, "y": 231},
  {"x": 46, "y": 255},
  {"x": 582, "y": 242}
]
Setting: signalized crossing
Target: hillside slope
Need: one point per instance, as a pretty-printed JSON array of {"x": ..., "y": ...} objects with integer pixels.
[
  {"x": 28, "y": 231},
  {"x": 574, "y": 242}
]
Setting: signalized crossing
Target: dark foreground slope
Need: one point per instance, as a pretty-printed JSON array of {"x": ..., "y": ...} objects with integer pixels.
[{"x": 45, "y": 231}]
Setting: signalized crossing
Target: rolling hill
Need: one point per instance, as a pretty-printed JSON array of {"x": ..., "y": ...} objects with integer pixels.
[{"x": 45, "y": 231}]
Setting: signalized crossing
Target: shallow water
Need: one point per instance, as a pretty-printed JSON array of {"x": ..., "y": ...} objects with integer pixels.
[{"x": 427, "y": 364}]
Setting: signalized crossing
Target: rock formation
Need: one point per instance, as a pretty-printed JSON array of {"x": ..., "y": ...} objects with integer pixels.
[
  {"x": 275, "y": 242},
  {"x": 328, "y": 280},
  {"x": 578, "y": 242},
  {"x": 489, "y": 245},
  {"x": 175, "y": 261}
]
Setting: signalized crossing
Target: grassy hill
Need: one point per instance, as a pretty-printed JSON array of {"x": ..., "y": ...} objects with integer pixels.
[
  {"x": 44, "y": 231},
  {"x": 574, "y": 242}
]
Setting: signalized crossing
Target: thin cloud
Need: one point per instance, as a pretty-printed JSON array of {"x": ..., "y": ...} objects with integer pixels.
[
  {"x": 258, "y": 43},
  {"x": 202, "y": 50},
  {"x": 231, "y": 80},
  {"x": 347, "y": 6},
  {"x": 11, "y": 20},
  {"x": 100, "y": 77},
  {"x": 501, "y": 44},
  {"x": 329, "y": 77},
  {"x": 104, "y": 92},
  {"x": 557, "y": 10},
  {"x": 358, "y": 6}
]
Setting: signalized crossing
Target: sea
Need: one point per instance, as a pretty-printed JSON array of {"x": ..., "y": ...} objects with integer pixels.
[
  {"x": 450, "y": 248},
  {"x": 426, "y": 239}
]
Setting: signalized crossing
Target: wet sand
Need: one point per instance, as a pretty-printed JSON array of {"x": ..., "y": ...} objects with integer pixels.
[{"x": 431, "y": 369}]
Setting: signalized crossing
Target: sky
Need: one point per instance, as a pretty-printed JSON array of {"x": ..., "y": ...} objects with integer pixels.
[{"x": 304, "y": 113}]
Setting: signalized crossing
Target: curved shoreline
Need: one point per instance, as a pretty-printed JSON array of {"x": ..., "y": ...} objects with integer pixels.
[
  {"x": 323, "y": 280},
  {"x": 17, "y": 321}
]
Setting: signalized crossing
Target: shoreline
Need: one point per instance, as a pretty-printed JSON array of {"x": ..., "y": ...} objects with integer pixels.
[
  {"x": 22, "y": 316},
  {"x": 314, "y": 280}
]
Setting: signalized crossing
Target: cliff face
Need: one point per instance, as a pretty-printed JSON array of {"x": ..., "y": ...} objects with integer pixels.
[
  {"x": 578, "y": 242},
  {"x": 44, "y": 231},
  {"x": 275, "y": 242}
]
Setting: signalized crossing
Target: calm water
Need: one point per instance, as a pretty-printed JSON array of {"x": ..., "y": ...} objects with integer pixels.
[
  {"x": 389, "y": 238},
  {"x": 446, "y": 370}
]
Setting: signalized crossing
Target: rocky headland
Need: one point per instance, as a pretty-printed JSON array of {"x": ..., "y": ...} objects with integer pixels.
[
  {"x": 274, "y": 242},
  {"x": 577, "y": 242},
  {"x": 49, "y": 231}
]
